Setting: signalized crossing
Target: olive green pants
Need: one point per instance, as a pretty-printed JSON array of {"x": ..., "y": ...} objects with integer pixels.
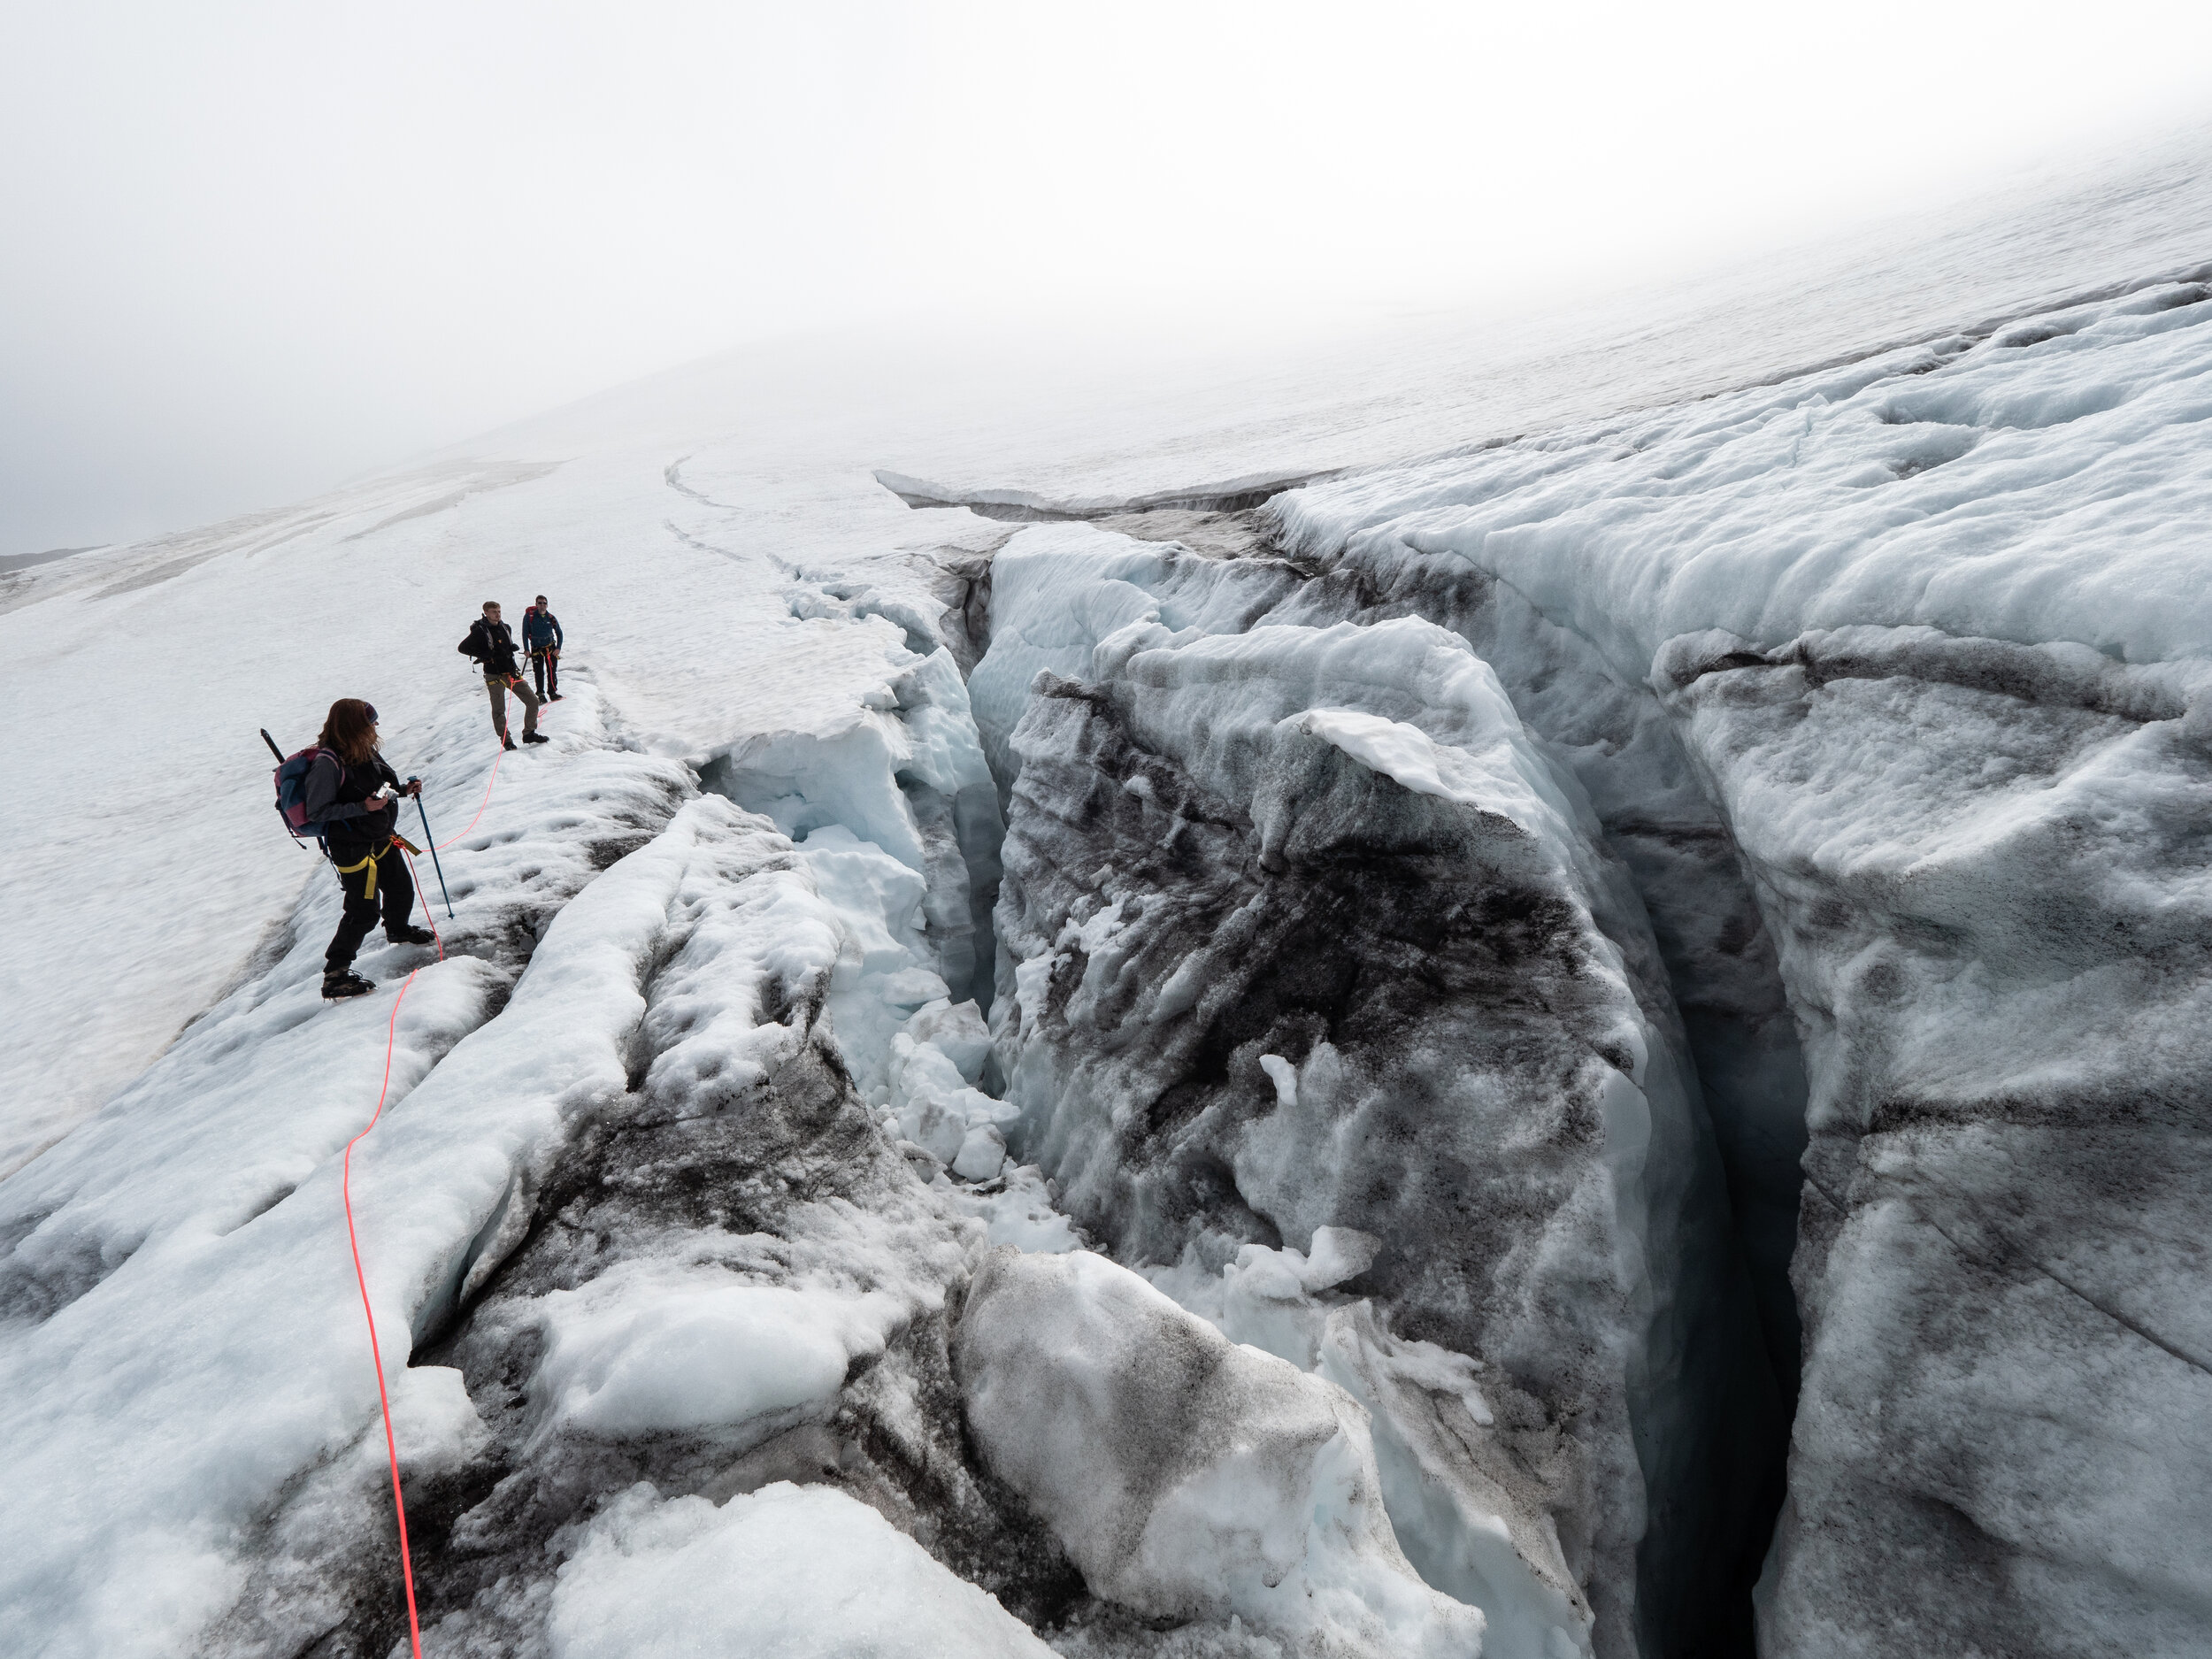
[{"x": 497, "y": 689}]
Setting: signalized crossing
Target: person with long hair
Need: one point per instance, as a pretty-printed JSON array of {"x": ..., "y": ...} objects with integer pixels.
[{"x": 352, "y": 798}]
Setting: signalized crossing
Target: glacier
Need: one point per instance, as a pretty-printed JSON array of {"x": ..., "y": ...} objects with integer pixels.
[{"x": 1167, "y": 1032}]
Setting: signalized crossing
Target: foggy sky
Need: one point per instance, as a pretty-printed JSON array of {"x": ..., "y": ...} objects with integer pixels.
[{"x": 252, "y": 249}]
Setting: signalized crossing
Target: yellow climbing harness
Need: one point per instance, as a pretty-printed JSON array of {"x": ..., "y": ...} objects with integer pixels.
[
  {"x": 368, "y": 888},
  {"x": 368, "y": 861}
]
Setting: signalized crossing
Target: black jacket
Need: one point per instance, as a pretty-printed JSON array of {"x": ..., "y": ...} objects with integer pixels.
[
  {"x": 336, "y": 796},
  {"x": 493, "y": 645}
]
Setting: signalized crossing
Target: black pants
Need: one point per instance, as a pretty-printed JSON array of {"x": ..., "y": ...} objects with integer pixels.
[
  {"x": 394, "y": 896},
  {"x": 545, "y": 668}
]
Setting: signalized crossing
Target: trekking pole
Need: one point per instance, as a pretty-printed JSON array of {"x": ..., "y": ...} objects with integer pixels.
[{"x": 431, "y": 841}]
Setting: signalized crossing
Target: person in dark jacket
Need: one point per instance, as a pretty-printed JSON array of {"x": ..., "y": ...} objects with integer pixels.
[
  {"x": 542, "y": 638},
  {"x": 352, "y": 797},
  {"x": 492, "y": 643}
]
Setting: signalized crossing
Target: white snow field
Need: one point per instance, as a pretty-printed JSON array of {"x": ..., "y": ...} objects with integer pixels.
[{"x": 1533, "y": 992}]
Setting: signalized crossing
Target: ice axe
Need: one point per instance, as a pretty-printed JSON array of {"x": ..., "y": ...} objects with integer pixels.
[{"x": 279, "y": 753}]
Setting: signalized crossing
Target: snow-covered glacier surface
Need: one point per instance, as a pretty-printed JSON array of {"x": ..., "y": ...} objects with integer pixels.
[{"x": 1592, "y": 1045}]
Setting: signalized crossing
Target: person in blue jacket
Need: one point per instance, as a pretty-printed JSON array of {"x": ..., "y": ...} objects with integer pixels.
[{"x": 542, "y": 638}]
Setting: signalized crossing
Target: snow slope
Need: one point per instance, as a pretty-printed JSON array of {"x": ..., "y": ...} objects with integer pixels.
[{"x": 1843, "y": 730}]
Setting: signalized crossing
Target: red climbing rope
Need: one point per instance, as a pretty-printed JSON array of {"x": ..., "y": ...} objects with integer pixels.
[
  {"x": 480, "y": 805},
  {"x": 353, "y": 1239},
  {"x": 427, "y": 914},
  {"x": 376, "y": 1351},
  {"x": 391, "y": 1446}
]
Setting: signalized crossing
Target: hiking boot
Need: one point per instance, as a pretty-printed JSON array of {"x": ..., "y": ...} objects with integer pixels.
[
  {"x": 505, "y": 741},
  {"x": 345, "y": 983},
  {"x": 534, "y": 737},
  {"x": 556, "y": 697},
  {"x": 410, "y": 934}
]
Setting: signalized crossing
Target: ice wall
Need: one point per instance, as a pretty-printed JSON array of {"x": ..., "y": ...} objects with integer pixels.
[
  {"x": 1300, "y": 930},
  {"x": 1987, "y": 866},
  {"x": 1609, "y": 733},
  {"x": 1931, "y": 633}
]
